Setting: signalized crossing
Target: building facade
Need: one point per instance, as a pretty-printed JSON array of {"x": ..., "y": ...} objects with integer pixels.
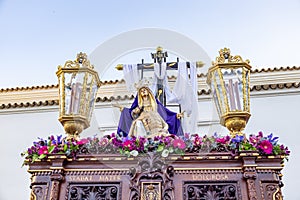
[{"x": 30, "y": 112}]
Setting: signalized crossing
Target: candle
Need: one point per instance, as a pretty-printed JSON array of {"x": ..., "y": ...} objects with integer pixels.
[
  {"x": 72, "y": 99},
  {"x": 67, "y": 100},
  {"x": 77, "y": 95},
  {"x": 231, "y": 95},
  {"x": 237, "y": 95},
  {"x": 75, "y": 98}
]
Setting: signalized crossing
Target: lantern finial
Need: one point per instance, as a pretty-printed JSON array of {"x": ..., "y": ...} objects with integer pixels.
[
  {"x": 81, "y": 57},
  {"x": 226, "y": 57}
]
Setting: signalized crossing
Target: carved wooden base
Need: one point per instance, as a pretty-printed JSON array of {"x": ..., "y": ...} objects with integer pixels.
[{"x": 214, "y": 176}]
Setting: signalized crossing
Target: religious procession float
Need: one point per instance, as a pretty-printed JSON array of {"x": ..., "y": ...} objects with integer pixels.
[{"x": 153, "y": 155}]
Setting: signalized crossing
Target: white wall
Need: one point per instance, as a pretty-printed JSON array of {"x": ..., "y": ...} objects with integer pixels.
[
  {"x": 280, "y": 116},
  {"x": 18, "y": 131},
  {"x": 277, "y": 114}
]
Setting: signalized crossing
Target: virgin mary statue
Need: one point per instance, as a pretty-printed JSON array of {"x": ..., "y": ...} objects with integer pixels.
[{"x": 147, "y": 117}]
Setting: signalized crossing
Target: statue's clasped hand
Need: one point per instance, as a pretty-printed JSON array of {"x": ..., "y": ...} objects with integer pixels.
[{"x": 136, "y": 112}]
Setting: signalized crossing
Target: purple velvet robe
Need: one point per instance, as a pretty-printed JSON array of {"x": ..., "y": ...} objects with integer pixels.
[{"x": 169, "y": 117}]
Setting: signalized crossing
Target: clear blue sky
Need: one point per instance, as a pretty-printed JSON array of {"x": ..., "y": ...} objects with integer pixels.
[{"x": 37, "y": 36}]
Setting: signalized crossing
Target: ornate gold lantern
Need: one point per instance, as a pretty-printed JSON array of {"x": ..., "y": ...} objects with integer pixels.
[
  {"x": 78, "y": 86},
  {"x": 229, "y": 80}
]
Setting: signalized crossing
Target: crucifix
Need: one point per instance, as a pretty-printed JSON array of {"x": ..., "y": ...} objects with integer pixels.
[{"x": 159, "y": 57}]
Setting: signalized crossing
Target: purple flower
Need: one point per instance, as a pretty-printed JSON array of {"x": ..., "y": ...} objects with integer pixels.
[
  {"x": 140, "y": 148},
  {"x": 238, "y": 139},
  {"x": 59, "y": 137},
  {"x": 285, "y": 150},
  {"x": 167, "y": 140},
  {"x": 51, "y": 138},
  {"x": 116, "y": 142},
  {"x": 198, "y": 141},
  {"x": 40, "y": 143},
  {"x": 157, "y": 138},
  {"x": 272, "y": 139},
  {"x": 142, "y": 140},
  {"x": 260, "y": 135},
  {"x": 29, "y": 151}
]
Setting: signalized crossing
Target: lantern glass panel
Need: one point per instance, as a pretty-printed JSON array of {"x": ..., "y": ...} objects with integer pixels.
[
  {"x": 233, "y": 85},
  {"x": 68, "y": 91},
  {"x": 215, "y": 98},
  {"x": 92, "y": 100},
  {"x": 73, "y": 91},
  {"x": 247, "y": 90},
  {"x": 61, "y": 93},
  {"x": 88, "y": 94},
  {"x": 219, "y": 94}
]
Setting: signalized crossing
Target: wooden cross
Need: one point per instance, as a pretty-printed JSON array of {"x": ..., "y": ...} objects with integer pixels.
[{"x": 159, "y": 57}]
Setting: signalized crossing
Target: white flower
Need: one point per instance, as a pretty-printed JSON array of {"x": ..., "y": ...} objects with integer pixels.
[
  {"x": 165, "y": 153},
  {"x": 134, "y": 153}
]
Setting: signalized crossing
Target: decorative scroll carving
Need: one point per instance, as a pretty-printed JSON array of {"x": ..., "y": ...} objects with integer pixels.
[
  {"x": 277, "y": 195},
  {"x": 37, "y": 193},
  {"x": 210, "y": 191},
  {"x": 271, "y": 191},
  {"x": 250, "y": 173},
  {"x": 225, "y": 55},
  {"x": 80, "y": 60},
  {"x": 156, "y": 177},
  {"x": 94, "y": 191}
]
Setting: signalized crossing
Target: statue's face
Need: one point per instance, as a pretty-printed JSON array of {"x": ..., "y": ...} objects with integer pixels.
[{"x": 144, "y": 92}]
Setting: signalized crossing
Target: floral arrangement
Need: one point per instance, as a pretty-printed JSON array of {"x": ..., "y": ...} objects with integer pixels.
[
  {"x": 54, "y": 145},
  {"x": 164, "y": 145}
]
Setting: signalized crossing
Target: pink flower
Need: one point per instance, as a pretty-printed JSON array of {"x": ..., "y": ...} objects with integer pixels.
[
  {"x": 178, "y": 143},
  {"x": 82, "y": 141},
  {"x": 223, "y": 140},
  {"x": 253, "y": 140},
  {"x": 266, "y": 146},
  {"x": 43, "y": 150},
  {"x": 186, "y": 135},
  {"x": 127, "y": 143},
  {"x": 103, "y": 141}
]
